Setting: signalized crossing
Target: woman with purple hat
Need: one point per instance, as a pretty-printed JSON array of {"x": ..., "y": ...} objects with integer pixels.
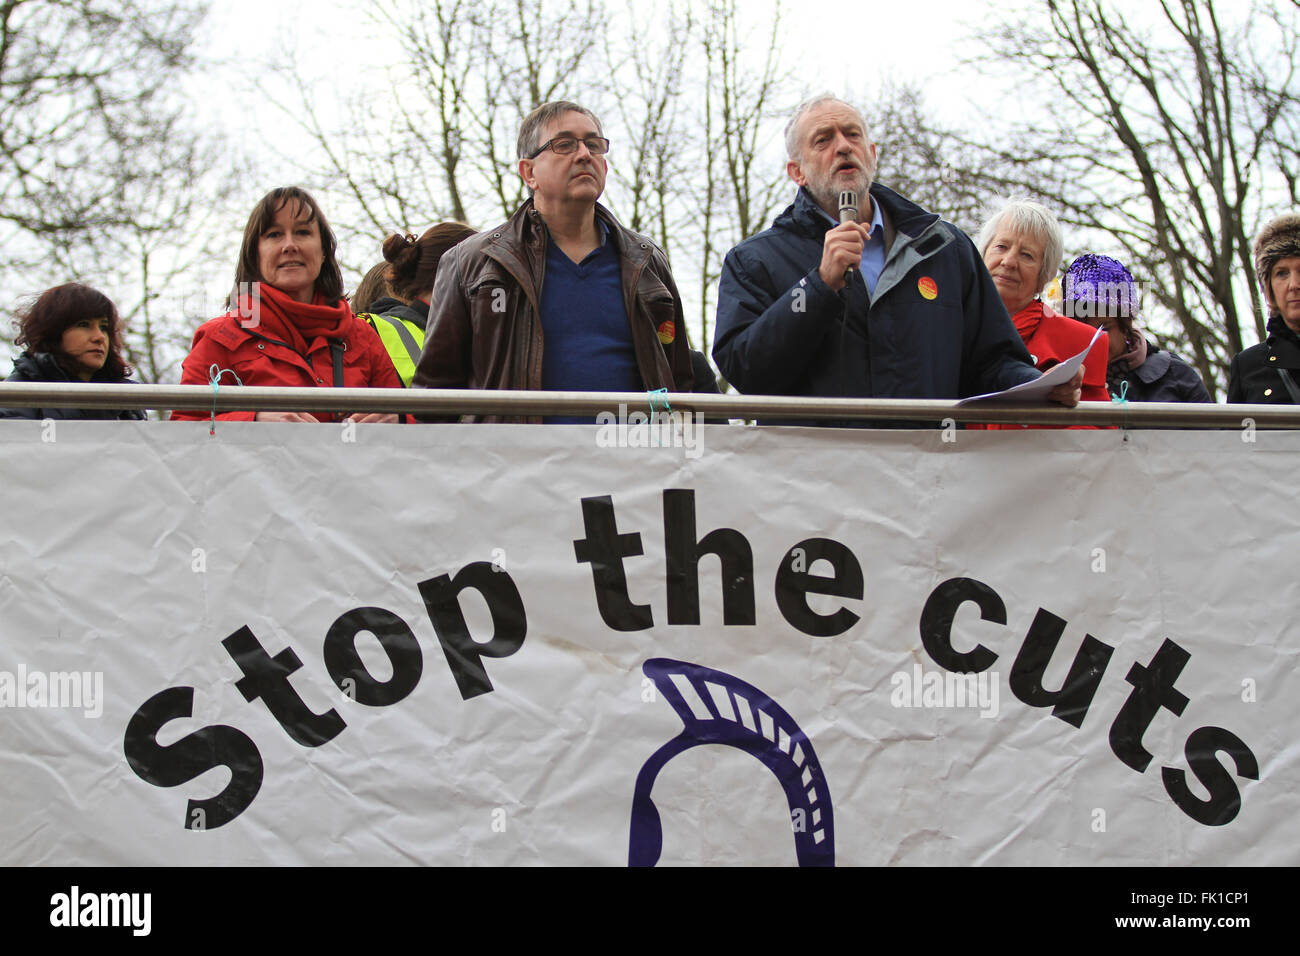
[
  {"x": 1269, "y": 373},
  {"x": 1100, "y": 291}
]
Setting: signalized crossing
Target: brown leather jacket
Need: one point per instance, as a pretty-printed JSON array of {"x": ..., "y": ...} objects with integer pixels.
[{"x": 484, "y": 330}]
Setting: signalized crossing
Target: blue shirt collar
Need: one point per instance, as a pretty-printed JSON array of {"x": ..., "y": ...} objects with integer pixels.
[{"x": 877, "y": 223}]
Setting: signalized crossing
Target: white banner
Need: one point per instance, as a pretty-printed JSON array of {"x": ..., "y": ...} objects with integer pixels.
[{"x": 536, "y": 645}]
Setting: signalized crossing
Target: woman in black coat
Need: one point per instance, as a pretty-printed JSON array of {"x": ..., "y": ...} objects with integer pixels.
[
  {"x": 72, "y": 333},
  {"x": 1269, "y": 373}
]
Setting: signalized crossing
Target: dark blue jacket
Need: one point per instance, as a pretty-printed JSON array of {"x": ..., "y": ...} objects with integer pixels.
[
  {"x": 44, "y": 367},
  {"x": 935, "y": 327},
  {"x": 1163, "y": 377}
]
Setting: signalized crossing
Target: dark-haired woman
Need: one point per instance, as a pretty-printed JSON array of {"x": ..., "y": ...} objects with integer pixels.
[
  {"x": 401, "y": 317},
  {"x": 288, "y": 322},
  {"x": 1101, "y": 291},
  {"x": 71, "y": 334}
]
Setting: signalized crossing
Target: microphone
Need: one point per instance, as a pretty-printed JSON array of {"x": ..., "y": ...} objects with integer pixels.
[{"x": 848, "y": 213}]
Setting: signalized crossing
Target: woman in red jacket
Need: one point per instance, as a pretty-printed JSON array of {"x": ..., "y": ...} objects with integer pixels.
[
  {"x": 1022, "y": 246},
  {"x": 288, "y": 323}
]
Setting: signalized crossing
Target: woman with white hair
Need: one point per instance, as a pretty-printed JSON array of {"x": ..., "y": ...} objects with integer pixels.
[{"x": 1021, "y": 245}]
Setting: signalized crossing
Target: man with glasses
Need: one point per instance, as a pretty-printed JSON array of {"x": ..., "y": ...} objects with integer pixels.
[{"x": 561, "y": 297}]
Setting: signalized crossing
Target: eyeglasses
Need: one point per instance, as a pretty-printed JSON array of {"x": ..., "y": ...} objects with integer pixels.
[{"x": 564, "y": 145}]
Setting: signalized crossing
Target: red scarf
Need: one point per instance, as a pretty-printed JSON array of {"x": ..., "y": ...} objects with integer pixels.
[
  {"x": 296, "y": 323},
  {"x": 1028, "y": 318}
]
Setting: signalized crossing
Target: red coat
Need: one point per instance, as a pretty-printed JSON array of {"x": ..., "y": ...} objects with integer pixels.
[
  {"x": 259, "y": 357},
  {"x": 1051, "y": 339}
]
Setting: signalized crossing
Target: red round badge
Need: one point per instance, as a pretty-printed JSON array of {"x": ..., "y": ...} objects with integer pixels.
[
  {"x": 926, "y": 286},
  {"x": 667, "y": 332}
]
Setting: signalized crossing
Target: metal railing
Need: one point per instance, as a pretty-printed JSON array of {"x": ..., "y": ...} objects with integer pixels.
[{"x": 454, "y": 402}]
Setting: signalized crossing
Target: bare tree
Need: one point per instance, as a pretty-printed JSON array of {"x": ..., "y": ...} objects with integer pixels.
[
  {"x": 746, "y": 96},
  {"x": 440, "y": 40},
  {"x": 922, "y": 159},
  {"x": 182, "y": 229},
  {"x": 741, "y": 182},
  {"x": 84, "y": 108},
  {"x": 1172, "y": 142},
  {"x": 101, "y": 175},
  {"x": 646, "y": 66}
]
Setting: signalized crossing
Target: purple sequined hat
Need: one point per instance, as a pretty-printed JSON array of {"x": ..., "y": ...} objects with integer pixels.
[{"x": 1099, "y": 286}]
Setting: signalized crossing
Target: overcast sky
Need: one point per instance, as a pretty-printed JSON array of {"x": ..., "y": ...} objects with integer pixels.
[
  {"x": 339, "y": 49},
  {"x": 913, "y": 41}
]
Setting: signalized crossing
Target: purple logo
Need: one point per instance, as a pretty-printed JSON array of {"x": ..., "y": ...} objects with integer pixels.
[{"x": 717, "y": 708}]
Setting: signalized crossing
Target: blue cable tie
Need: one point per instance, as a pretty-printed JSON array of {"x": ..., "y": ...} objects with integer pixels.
[
  {"x": 214, "y": 378},
  {"x": 1122, "y": 399},
  {"x": 652, "y": 396}
]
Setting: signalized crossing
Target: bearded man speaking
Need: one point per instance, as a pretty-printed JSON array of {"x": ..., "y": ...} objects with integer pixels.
[{"x": 856, "y": 292}]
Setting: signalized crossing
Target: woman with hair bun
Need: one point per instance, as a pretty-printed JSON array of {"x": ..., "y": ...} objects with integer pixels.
[
  {"x": 400, "y": 318},
  {"x": 288, "y": 323},
  {"x": 72, "y": 333}
]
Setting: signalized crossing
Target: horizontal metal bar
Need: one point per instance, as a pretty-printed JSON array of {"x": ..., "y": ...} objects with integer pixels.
[{"x": 453, "y": 402}]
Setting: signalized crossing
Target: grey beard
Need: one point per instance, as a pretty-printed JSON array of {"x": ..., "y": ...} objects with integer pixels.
[{"x": 829, "y": 199}]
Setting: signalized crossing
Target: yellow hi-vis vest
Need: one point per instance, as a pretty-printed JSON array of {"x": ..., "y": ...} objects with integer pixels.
[{"x": 403, "y": 340}]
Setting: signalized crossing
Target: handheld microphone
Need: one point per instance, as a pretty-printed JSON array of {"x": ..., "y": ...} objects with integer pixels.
[{"x": 848, "y": 213}]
